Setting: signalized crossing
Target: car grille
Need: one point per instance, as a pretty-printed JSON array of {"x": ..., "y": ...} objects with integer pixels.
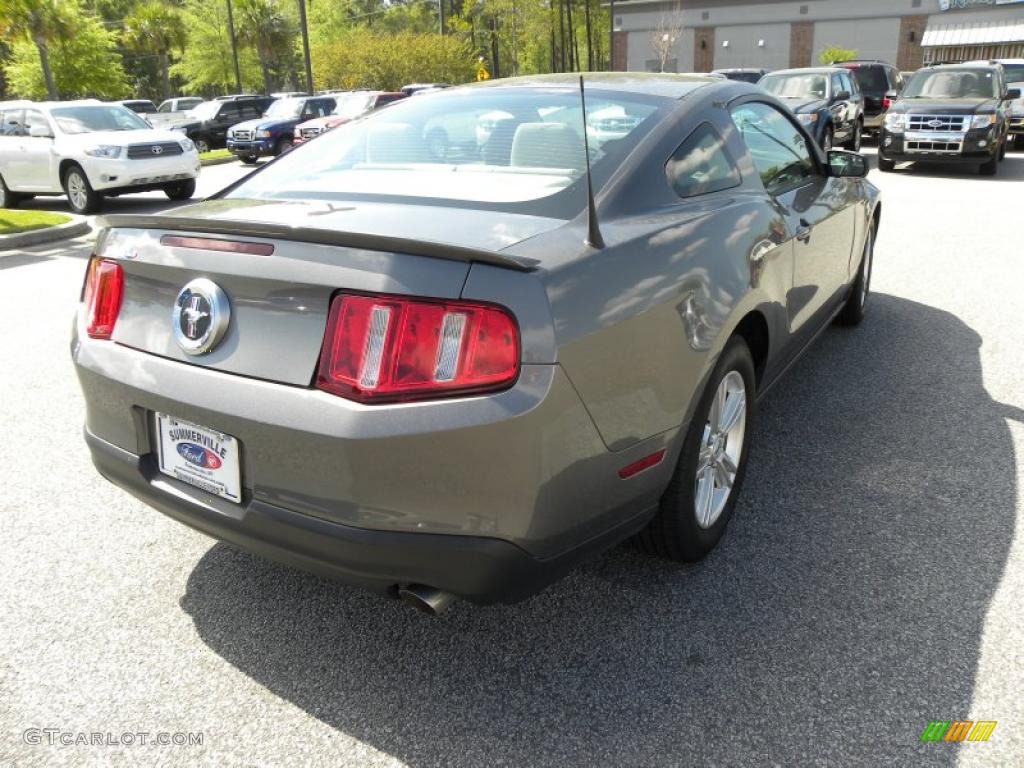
[
  {"x": 1017, "y": 122},
  {"x": 149, "y": 151},
  {"x": 309, "y": 133},
  {"x": 242, "y": 135},
  {"x": 946, "y": 147},
  {"x": 938, "y": 122}
]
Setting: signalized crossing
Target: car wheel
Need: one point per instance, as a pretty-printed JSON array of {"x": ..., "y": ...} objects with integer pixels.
[
  {"x": 991, "y": 167},
  {"x": 1002, "y": 151},
  {"x": 886, "y": 166},
  {"x": 82, "y": 198},
  {"x": 827, "y": 139},
  {"x": 855, "y": 141},
  {"x": 856, "y": 303},
  {"x": 181, "y": 190},
  {"x": 283, "y": 145},
  {"x": 8, "y": 199},
  {"x": 248, "y": 159},
  {"x": 699, "y": 501},
  {"x": 202, "y": 146}
]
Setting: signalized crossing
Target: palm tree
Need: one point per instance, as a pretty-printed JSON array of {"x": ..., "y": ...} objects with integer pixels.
[
  {"x": 43, "y": 22},
  {"x": 155, "y": 28},
  {"x": 264, "y": 25}
]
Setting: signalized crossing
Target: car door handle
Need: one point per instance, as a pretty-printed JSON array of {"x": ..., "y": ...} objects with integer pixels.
[{"x": 803, "y": 233}]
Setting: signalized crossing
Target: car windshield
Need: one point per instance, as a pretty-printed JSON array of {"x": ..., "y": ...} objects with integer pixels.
[
  {"x": 951, "y": 84},
  {"x": 799, "y": 86},
  {"x": 283, "y": 109},
  {"x": 205, "y": 111},
  {"x": 870, "y": 79},
  {"x": 744, "y": 77},
  {"x": 87, "y": 119},
  {"x": 1014, "y": 73},
  {"x": 142, "y": 107},
  {"x": 494, "y": 148},
  {"x": 352, "y": 105}
]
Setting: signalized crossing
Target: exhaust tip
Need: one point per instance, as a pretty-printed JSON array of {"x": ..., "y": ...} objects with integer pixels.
[{"x": 426, "y": 599}]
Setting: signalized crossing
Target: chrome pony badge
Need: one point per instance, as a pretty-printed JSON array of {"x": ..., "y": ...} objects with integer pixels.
[{"x": 201, "y": 315}]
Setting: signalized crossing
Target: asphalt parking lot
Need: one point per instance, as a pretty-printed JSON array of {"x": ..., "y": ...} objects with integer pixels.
[{"x": 871, "y": 581}]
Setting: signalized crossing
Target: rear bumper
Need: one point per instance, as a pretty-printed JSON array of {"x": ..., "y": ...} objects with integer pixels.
[
  {"x": 874, "y": 122},
  {"x": 1017, "y": 125},
  {"x": 477, "y": 568}
]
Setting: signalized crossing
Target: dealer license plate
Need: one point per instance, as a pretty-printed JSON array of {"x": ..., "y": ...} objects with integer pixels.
[{"x": 199, "y": 456}]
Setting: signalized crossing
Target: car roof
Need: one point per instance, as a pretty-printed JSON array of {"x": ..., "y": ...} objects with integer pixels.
[
  {"x": 807, "y": 70},
  {"x": 739, "y": 69},
  {"x": 671, "y": 86},
  {"x": 964, "y": 65}
]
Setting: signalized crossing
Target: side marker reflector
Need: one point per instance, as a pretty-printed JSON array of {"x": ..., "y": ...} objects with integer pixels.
[{"x": 639, "y": 466}]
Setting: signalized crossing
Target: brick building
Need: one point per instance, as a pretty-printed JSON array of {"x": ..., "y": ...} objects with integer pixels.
[{"x": 700, "y": 35}]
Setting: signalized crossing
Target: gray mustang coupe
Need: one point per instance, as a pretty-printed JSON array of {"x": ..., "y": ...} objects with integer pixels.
[{"x": 451, "y": 348}]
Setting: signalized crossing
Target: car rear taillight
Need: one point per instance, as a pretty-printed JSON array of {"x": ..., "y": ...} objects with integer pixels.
[
  {"x": 886, "y": 101},
  {"x": 104, "y": 287},
  {"x": 389, "y": 348}
]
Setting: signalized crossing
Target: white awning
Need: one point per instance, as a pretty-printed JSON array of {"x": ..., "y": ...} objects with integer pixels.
[{"x": 980, "y": 33}]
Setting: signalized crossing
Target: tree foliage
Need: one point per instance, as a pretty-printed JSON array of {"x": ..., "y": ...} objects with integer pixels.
[
  {"x": 158, "y": 29},
  {"x": 833, "y": 54},
  {"x": 206, "y": 66}
]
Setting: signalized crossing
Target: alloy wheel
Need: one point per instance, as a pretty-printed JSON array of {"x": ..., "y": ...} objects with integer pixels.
[
  {"x": 76, "y": 191},
  {"x": 721, "y": 449}
]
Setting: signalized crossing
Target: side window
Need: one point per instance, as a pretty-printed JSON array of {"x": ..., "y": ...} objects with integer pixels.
[
  {"x": 250, "y": 112},
  {"x": 13, "y": 124},
  {"x": 778, "y": 149},
  {"x": 701, "y": 164},
  {"x": 850, "y": 84},
  {"x": 324, "y": 107},
  {"x": 34, "y": 118},
  {"x": 837, "y": 85}
]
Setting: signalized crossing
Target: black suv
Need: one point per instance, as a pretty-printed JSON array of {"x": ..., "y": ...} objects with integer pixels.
[
  {"x": 957, "y": 113},
  {"x": 824, "y": 99},
  {"x": 209, "y": 122},
  {"x": 880, "y": 83}
]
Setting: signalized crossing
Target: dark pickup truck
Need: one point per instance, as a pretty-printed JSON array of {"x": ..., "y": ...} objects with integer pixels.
[{"x": 956, "y": 113}]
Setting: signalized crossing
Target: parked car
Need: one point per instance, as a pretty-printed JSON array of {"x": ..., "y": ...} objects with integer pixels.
[
  {"x": 207, "y": 125},
  {"x": 412, "y": 88},
  {"x": 957, "y": 113},
  {"x": 288, "y": 94},
  {"x": 1013, "y": 72},
  {"x": 235, "y": 96},
  {"x": 825, "y": 99},
  {"x": 271, "y": 134},
  {"x": 89, "y": 150},
  {"x": 743, "y": 74},
  {"x": 348, "y": 106},
  {"x": 180, "y": 104},
  {"x": 879, "y": 83},
  {"x": 516, "y": 377},
  {"x": 138, "y": 106}
]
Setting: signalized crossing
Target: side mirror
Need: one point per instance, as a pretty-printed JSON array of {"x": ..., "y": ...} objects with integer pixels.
[
  {"x": 1010, "y": 95},
  {"x": 849, "y": 164},
  {"x": 40, "y": 132},
  {"x": 843, "y": 95}
]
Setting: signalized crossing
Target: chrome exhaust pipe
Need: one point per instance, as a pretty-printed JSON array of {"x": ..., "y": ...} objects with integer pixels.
[{"x": 426, "y": 599}]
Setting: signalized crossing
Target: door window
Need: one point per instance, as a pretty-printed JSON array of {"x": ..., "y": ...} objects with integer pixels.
[
  {"x": 229, "y": 113},
  {"x": 13, "y": 122},
  {"x": 779, "y": 151},
  {"x": 34, "y": 118},
  {"x": 701, "y": 165},
  {"x": 837, "y": 85},
  {"x": 250, "y": 112}
]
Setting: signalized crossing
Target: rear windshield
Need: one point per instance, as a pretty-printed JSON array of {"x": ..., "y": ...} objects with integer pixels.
[
  {"x": 98, "y": 118},
  {"x": 870, "y": 79},
  {"x": 1014, "y": 73},
  {"x": 515, "y": 149},
  {"x": 951, "y": 84}
]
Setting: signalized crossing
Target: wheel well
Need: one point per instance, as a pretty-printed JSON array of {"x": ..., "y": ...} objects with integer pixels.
[
  {"x": 64, "y": 165},
  {"x": 876, "y": 217},
  {"x": 753, "y": 329}
]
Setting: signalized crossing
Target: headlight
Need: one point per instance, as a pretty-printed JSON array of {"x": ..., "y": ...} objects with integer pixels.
[
  {"x": 187, "y": 145},
  {"x": 809, "y": 119},
  {"x": 103, "y": 150},
  {"x": 983, "y": 121},
  {"x": 895, "y": 122},
  {"x": 263, "y": 134}
]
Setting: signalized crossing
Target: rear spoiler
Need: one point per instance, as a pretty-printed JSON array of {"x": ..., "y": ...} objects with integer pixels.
[{"x": 362, "y": 240}]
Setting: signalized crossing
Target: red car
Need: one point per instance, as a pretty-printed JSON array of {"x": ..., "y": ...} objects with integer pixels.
[{"x": 349, "y": 106}]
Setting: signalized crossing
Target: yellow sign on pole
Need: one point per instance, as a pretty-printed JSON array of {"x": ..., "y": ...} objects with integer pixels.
[{"x": 482, "y": 73}]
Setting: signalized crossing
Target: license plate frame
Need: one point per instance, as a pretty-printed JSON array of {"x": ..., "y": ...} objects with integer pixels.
[{"x": 200, "y": 456}]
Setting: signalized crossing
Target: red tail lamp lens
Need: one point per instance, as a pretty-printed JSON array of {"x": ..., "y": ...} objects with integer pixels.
[
  {"x": 388, "y": 348},
  {"x": 104, "y": 288}
]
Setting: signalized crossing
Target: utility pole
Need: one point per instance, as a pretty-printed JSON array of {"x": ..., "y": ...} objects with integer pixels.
[
  {"x": 305, "y": 46},
  {"x": 234, "y": 48},
  {"x": 440, "y": 16},
  {"x": 611, "y": 35}
]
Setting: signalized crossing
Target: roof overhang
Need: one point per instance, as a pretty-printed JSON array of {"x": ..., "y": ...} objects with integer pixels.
[{"x": 978, "y": 33}]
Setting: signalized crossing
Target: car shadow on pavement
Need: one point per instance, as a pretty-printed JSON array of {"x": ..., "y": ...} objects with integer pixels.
[
  {"x": 1010, "y": 169},
  {"x": 841, "y": 614}
]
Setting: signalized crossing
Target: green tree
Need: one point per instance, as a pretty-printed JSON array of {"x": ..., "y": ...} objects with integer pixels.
[
  {"x": 43, "y": 22},
  {"x": 833, "y": 54},
  {"x": 155, "y": 28},
  {"x": 206, "y": 66},
  {"x": 270, "y": 28}
]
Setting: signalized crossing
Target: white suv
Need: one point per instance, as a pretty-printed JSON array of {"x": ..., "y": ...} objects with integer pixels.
[{"x": 86, "y": 150}]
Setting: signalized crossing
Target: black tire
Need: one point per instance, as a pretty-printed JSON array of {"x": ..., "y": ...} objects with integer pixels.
[
  {"x": 283, "y": 145},
  {"x": 855, "y": 308},
  {"x": 991, "y": 167},
  {"x": 886, "y": 166},
  {"x": 181, "y": 190},
  {"x": 82, "y": 198},
  {"x": 674, "y": 531},
  {"x": 853, "y": 144},
  {"x": 1002, "y": 150},
  {"x": 248, "y": 159},
  {"x": 8, "y": 199}
]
